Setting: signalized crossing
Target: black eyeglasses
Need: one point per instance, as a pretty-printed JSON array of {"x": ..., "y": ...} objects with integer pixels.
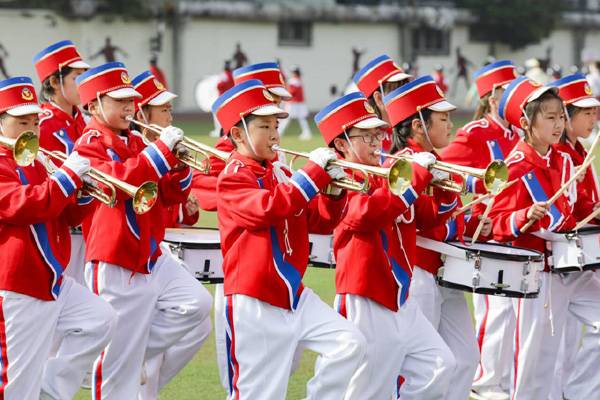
[{"x": 369, "y": 139}]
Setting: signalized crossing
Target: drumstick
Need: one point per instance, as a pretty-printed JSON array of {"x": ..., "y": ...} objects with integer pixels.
[
  {"x": 564, "y": 187},
  {"x": 483, "y": 198},
  {"x": 587, "y": 219},
  {"x": 483, "y": 218}
]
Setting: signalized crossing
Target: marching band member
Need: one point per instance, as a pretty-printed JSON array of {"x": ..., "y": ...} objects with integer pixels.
[
  {"x": 38, "y": 302},
  {"x": 489, "y": 137},
  {"x": 445, "y": 308},
  {"x": 157, "y": 302},
  {"x": 541, "y": 171},
  {"x": 296, "y": 106},
  {"x": 373, "y": 271},
  {"x": 573, "y": 366},
  {"x": 205, "y": 189},
  {"x": 154, "y": 108},
  {"x": 378, "y": 77},
  {"x": 61, "y": 122},
  {"x": 265, "y": 214}
]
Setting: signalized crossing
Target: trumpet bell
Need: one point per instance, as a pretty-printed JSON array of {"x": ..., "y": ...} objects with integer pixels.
[
  {"x": 145, "y": 197},
  {"x": 496, "y": 175},
  {"x": 24, "y": 148},
  {"x": 400, "y": 177}
]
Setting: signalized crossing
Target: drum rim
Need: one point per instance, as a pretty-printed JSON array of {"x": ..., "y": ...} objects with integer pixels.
[
  {"x": 536, "y": 257},
  {"x": 492, "y": 292},
  {"x": 195, "y": 246},
  {"x": 586, "y": 229}
]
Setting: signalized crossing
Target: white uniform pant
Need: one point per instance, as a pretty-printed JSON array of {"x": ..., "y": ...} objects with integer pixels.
[
  {"x": 155, "y": 311},
  {"x": 406, "y": 357},
  {"x": 77, "y": 261},
  {"x": 220, "y": 322},
  {"x": 576, "y": 369},
  {"x": 297, "y": 111},
  {"x": 262, "y": 341},
  {"x": 27, "y": 326},
  {"x": 447, "y": 310},
  {"x": 494, "y": 329},
  {"x": 540, "y": 323},
  {"x": 163, "y": 367}
]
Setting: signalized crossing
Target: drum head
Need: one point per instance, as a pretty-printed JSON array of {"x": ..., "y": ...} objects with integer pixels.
[
  {"x": 203, "y": 238},
  {"x": 499, "y": 251}
]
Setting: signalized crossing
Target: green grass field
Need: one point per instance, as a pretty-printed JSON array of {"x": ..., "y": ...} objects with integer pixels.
[{"x": 200, "y": 380}]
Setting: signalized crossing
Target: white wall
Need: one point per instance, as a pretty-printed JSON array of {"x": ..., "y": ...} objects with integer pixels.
[
  {"x": 206, "y": 43},
  {"x": 24, "y": 36}
]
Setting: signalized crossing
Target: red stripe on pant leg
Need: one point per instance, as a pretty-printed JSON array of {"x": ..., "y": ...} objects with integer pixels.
[
  {"x": 399, "y": 383},
  {"x": 517, "y": 332},
  {"x": 3, "y": 350},
  {"x": 236, "y": 371},
  {"x": 342, "y": 306},
  {"x": 98, "y": 379},
  {"x": 95, "y": 268},
  {"x": 481, "y": 335}
]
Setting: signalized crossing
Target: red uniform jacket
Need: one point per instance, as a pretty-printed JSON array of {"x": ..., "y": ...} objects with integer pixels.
[
  {"x": 36, "y": 212},
  {"x": 225, "y": 82},
  {"x": 117, "y": 235},
  {"x": 264, "y": 224},
  {"x": 578, "y": 154},
  {"x": 477, "y": 144},
  {"x": 433, "y": 219},
  {"x": 294, "y": 86},
  {"x": 204, "y": 187},
  {"x": 176, "y": 216},
  {"x": 538, "y": 179},
  {"x": 59, "y": 130}
]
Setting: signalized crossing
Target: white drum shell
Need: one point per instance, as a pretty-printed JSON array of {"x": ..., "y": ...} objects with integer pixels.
[
  {"x": 576, "y": 251},
  {"x": 200, "y": 250},
  {"x": 478, "y": 273},
  {"x": 321, "y": 250}
]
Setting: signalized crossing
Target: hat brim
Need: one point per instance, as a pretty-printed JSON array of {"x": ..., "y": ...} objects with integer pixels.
[
  {"x": 537, "y": 93},
  {"x": 281, "y": 92},
  {"x": 162, "y": 99},
  {"x": 588, "y": 102},
  {"x": 442, "y": 106},
  {"x": 369, "y": 123},
  {"x": 123, "y": 93},
  {"x": 400, "y": 76},
  {"x": 24, "y": 110},
  {"x": 270, "y": 110},
  {"x": 79, "y": 64}
]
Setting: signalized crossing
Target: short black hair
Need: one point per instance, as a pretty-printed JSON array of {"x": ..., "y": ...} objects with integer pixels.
[
  {"x": 47, "y": 91},
  {"x": 402, "y": 131}
]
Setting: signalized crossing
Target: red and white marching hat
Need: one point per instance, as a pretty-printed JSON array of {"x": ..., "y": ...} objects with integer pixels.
[
  {"x": 57, "y": 56},
  {"x": 109, "y": 79},
  {"x": 351, "y": 110},
  {"x": 517, "y": 95},
  {"x": 575, "y": 89},
  {"x": 409, "y": 99},
  {"x": 152, "y": 92},
  {"x": 493, "y": 75},
  {"x": 378, "y": 71},
  {"x": 249, "y": 97},
  {"x": 18, "y": 97},
  {"x": 268, "y": 73}
]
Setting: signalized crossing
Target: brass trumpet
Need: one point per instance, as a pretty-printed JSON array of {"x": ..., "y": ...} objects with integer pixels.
[
  {"x": 144, "y": 197},
  {"x": 194, "y": 148},
  {"x": 398, "y": 176},
  {"x": 24, "y": 147},
  {"x": 494, "y": 176}
]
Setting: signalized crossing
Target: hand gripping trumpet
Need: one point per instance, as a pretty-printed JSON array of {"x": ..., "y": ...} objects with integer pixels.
[
  {"x": 398, "y": 176},
  {"x": 194, "y": 148},
  {"x": 494, "y": 177},
  {"x": 144, "y": 197},
  {"x": 24, "y": 148}
]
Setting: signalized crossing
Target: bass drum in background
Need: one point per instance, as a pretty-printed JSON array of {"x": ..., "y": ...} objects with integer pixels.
[{"x": 206, "y": 92}]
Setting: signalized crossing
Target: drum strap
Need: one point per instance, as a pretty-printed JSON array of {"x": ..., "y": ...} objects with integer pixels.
[
  {"x": 536, "y": 191},
  {"x": 440, "y": 247}
]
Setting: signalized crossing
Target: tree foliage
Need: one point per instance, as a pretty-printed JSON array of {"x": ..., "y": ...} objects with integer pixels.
[{"x": 516, "y": 23}]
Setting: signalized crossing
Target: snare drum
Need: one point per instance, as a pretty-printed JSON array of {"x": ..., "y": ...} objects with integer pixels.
[
  {"x": 321, "y": 250},
  {"x": 575, "y": 251},
  {"x": 487, "y": 268},
  {"x": 199, "y": 249}
]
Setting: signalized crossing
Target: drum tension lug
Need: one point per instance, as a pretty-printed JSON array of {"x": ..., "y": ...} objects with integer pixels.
[{"x": 476, "y": 274}]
